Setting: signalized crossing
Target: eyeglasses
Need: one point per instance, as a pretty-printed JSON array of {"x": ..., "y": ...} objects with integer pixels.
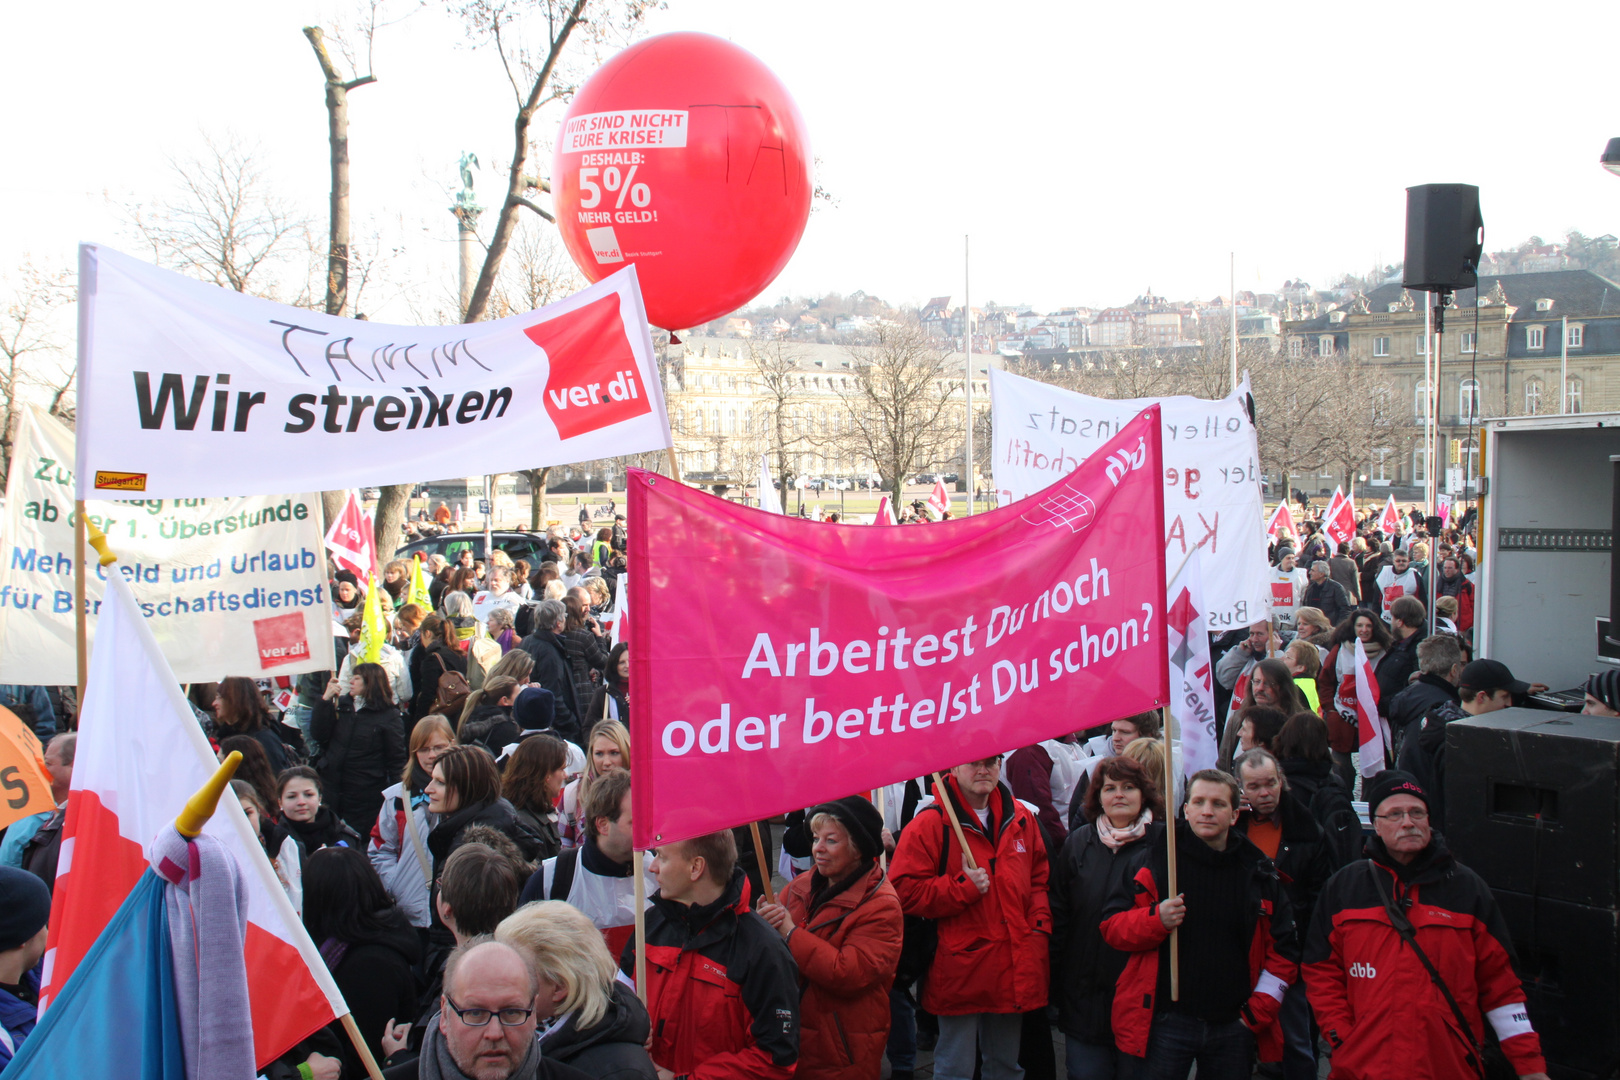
[
  {"x": 478, "y": 1018},
  {"x": 1395, "y": 817}
]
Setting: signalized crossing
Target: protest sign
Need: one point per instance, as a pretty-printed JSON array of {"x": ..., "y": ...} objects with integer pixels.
[
  {"x": 190, "y": 390},
  {"x": 1211, "y": 475},
  {"x": 230, "y": 586},
  {"x": 25, "y": 782},
  {"x": 785, "y": 662}
]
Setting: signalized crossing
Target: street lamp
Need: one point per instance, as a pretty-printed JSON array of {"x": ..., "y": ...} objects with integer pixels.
[{"x": 1611, "y": 156}]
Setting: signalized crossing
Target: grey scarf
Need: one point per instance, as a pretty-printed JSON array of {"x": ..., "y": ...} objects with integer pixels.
[{"x": 437, "y": 1064}]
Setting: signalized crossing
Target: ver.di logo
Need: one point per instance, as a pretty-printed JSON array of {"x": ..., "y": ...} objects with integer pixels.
[{"x": 593, "y": 382}]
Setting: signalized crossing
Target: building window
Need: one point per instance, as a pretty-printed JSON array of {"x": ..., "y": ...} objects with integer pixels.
[
  {"x": 1380, "y": 406},
  {"x": 1468, "y": 401},
  {"x": 1577, "y": 334},
  {"x": 1468, "y": 453},
  {"x": 1380, "y": 346},
  {"x": 1422, "y": 399},
  {"x": 1532, "y": 397},
  {"x": 715, "y": 417},
  {"x": 1535, "y": 337},
  {"x": 731, "y": 422},
  {"x": 1296, "y": 348},
  {"x": 1572, "y": 396},
  {"x": 1324, "y": 345},
  {"x": 1423, "y": 344},
  {"x": 1470, "y": 341},
  {"x": 1381, "y": 463},
  {"x": 1420, "y": 459}
]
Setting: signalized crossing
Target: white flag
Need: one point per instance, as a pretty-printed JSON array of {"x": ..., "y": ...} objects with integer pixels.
[
  {"x": 1192, "y": 692},
  {"x": 769, "y": 500}
]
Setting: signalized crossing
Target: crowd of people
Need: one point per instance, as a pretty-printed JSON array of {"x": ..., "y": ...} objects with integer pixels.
[{"x": 452, "y": 822}]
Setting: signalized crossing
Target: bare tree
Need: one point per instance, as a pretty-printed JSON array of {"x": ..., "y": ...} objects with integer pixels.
[
  {"x": 226, "y": 226},
  {"x": 1361, "y": 418},
  {"x": 1293, "y": 403},
  {"x": 903, "y": 416},
  {"x": 532, "y": 39},
  {"x": 776, "y": 363},
  {"x": 33, "y": 361}
]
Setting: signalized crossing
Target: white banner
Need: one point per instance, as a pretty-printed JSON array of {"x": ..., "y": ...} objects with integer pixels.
[
  {"x": 1192, "y": 689},
  {"x": 1211, "y": 475},
  {"x": 229, "y": 586},
  {"x": 190, "y": 390}
]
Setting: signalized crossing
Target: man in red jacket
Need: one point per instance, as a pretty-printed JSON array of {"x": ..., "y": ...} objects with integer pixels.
[
  {"x": 994, "y": 920},
  {"x": 722, "y": 988},
  {"x": 1238, "y": 950},
  {"x": 1374, "y": 1000}
]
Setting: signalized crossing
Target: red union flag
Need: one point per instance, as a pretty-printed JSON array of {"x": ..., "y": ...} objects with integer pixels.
[
  {"x": 349, "y": 539},
  {"x": 786, "y": 662},
  {"x": 1340, "y": 522},
  {"x": 590, "y": 388}
]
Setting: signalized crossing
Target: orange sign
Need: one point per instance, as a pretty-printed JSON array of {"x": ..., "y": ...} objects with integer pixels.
[
  {"x": 25, "y": 784},
  {"x": 120, "y": 481}
]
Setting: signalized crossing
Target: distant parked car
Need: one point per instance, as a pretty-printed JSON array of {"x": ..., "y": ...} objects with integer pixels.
[{"x": 519, "y": 545}]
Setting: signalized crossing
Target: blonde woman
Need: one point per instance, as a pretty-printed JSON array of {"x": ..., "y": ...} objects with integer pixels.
[
  {"x": 607, "y": 748},
  {"x": 398, "y": 845},
  {"x": 591, "y": 1021}
]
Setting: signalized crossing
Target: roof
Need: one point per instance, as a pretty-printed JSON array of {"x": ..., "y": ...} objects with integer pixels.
[{"x": 1573, "y": 292}]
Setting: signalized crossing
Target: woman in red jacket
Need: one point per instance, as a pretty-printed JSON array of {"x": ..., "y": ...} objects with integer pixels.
[{"x": 842, "y": 923}]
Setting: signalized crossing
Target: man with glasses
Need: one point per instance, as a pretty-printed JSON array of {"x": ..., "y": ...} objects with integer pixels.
[
  {"x": 993, "y": 920},
  {"x": 1380, "y": 1007},
  {"x": 485, "y": 1028}
]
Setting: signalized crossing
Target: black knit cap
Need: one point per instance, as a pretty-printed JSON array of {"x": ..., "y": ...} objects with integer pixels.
[
  {"x": 1605, "y": 686},
  {"x": 25, "y": 904},
  {"x": 1393, "y": 782},
  {"x": 860, "y": 818}
]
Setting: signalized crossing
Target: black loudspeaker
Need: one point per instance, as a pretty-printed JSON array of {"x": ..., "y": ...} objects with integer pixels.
[
  {"x": 1532, "y": 803},
  {"x": 1433, "y": 525},
  {"x": 1445, "y": 235},
  {"x": 1569, "y": 959}
]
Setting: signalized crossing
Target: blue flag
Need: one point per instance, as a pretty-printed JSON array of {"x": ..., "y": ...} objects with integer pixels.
[{"x": 117, "y": 1015}]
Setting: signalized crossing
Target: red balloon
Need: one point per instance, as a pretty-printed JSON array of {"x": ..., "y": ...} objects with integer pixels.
[{"x": 684, "y": 155}]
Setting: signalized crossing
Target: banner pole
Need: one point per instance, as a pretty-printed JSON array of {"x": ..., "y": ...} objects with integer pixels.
[
  {"x": 1170, "y": 848},
  {"x": 880, "y": 799},
  {"x": 641, "y": 925},
  {"x": 360, "y": 1047},
  {"x": 759, "y": 856},
  {"x": 950, "y": 812},
  {"x": 80, "y": 619}
]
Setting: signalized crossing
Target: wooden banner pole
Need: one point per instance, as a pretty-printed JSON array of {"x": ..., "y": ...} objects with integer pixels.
[
  {"x": 641, "y": 925},
  {"x": 360, "y": 1047},
  {"x": 1170, "y": 849},
  {"x": 759, "y": 856},
  {"x": 968, "y": 861}
]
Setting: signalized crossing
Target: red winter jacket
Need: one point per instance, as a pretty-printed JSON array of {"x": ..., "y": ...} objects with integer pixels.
[
  {"x": 1131, "y": 924},
  {"x": 847, "y": 953},
  {"x": 722, "y": 990},
  {"x": 993, "y": 954},
  {"x": 1372, "y": 996}
]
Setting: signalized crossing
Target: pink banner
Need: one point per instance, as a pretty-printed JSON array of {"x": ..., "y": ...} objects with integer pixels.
[{"x": 780, "y": 663}]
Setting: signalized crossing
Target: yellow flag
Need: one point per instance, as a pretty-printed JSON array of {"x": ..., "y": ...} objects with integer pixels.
[
  {"x": 373, "y": 633},
  {"x": 419, "y": 594}
]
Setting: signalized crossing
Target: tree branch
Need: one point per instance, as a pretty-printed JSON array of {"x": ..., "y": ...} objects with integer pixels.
[{"x": 525, "y": 202}]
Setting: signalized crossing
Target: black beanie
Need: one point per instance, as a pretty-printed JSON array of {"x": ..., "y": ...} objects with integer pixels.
[
  {"x": 860, "y": 818},
  {"x": 25, "y": 905},
  {"x": 534, "y": 708},
  {"x": 1605, "y": 686},
  {"x": 1393, "y": 782}
]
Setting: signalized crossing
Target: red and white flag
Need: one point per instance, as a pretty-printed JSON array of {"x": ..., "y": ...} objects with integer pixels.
[
  {"x": 1368, "y": 723},
  {"x": 349, "y": 539},
  {"x": 1192, "y": 691},
  {"x": 885, "y": 513},
  {"x": 140, "y": 756},
  {"x": 1340, "y": 522},
  {"x": 1282, "y": 523},
  {"x": 1389, "y": 522},
  {"x": 939, "y": 500}
]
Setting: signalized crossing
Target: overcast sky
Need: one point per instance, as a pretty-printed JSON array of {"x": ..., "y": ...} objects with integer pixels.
[{"x": 1091, "y": 150}]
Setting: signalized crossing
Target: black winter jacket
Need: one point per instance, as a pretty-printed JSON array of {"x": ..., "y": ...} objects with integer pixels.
[
  {"x": 613, "y": 1048},
  {"x": 1304, "y": 862},
  {"x": 1427, "y": 692},
  {"x": 364, "y": 752},
  {"x": 425, "y": 672},
  {"x": 1330, "y": 597},
  {"x": 1395, "y": 670},
  {"x": 554, "y": 671},
  {"x": 585, "y": 655},
  {"x": 1085, "y": 969},
  {"x": 376, "y": 977},
  {"x": 1423, "y": 754}
]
